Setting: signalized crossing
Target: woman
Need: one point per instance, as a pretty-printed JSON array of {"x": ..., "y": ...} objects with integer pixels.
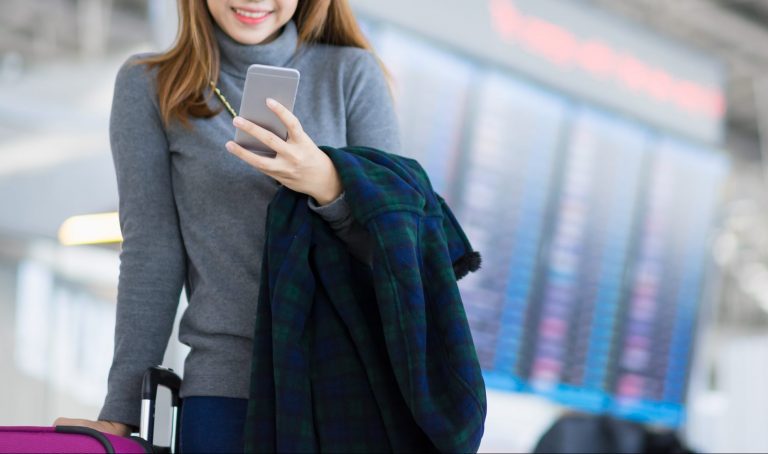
[{"x": 193, "y": 203}]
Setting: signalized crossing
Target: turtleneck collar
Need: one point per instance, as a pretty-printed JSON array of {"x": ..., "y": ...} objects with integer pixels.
[{"x": 237, "y": 57}]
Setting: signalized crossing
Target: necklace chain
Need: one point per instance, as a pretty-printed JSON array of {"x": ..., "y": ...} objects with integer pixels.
[{"x": 223, "y": 100}]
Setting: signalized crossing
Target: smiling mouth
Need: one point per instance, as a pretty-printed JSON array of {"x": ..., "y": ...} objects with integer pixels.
[{"x": 251, "y": 14}]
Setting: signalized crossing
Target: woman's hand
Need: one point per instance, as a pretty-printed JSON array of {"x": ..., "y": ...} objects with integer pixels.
[
  {"x": 114, "y": 428},
  {"x": 299, "y": 164}
]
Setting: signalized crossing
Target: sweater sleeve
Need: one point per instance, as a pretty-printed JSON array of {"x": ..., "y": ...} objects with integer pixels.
[
  {"x": 371, "y": 121},
  {"x": 152, "y": 259},
  {"x": 371, "y": 117}
]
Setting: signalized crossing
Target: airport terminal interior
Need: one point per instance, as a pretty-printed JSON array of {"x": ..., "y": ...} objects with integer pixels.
[{"x": 607, "y": 158}]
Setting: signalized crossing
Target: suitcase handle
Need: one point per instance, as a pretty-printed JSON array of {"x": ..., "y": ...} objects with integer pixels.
[{"x": 159, "y": 376}]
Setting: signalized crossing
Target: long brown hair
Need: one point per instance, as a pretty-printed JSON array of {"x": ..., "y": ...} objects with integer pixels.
[{"x": 185, "y": 71}]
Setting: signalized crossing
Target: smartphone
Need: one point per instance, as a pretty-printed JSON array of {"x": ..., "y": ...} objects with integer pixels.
[{"x": 261, "y": 82}]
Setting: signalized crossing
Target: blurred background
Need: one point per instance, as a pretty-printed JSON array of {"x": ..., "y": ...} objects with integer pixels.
[{"x": 608, "y": 158}]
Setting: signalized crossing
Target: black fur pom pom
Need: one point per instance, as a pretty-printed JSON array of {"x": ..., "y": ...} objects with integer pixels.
[{"x": 466, "y": 263}]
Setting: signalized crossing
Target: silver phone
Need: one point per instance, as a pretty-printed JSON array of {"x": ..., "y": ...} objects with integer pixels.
[{"x": 261, "y": 82}]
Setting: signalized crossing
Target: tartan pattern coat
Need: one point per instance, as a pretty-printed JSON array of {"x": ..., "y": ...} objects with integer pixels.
[{"x": 356, "y": 358}]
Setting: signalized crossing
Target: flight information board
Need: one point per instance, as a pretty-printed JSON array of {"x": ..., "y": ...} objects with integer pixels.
[
  {"x": 507, "y": 179},
  {"x": 579, "y": 280},
  {"x": 593, "y": 231},
  {"x": 656, "y": 325}
]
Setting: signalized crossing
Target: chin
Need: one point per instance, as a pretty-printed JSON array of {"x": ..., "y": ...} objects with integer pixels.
[{"x": 248, "y": 38}]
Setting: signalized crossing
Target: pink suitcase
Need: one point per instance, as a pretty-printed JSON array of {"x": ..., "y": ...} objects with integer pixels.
[
  {"x": 67, "y": 439},
  {"x": 75, "y": 439}
]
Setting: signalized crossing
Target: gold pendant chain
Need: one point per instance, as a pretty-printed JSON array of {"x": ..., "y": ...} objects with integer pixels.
[
  {"x": 223, "y": 100},
  {"x": 231, "y": 112}
]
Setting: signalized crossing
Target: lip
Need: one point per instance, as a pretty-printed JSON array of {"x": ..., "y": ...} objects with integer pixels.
[{"x": 251, "y": 20}]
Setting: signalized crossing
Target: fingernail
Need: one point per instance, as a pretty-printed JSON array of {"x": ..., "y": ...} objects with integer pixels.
[
  {"x": 238, "y": 121},
  {"x": 271, "y": 102},
  {"x": 229, "y": 146}
]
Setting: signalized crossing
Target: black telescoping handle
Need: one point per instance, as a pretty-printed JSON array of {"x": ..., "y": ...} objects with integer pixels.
[{"x": 159, "y": 376}]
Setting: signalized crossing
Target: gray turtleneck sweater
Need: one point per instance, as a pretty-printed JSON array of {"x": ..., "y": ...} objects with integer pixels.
[{"x": 193, "y": 215}]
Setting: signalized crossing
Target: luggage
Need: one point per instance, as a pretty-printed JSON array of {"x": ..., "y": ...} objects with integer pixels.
[
  {"x": 67, "y": 439},
  {"x": 580, "y": 432},
  {"x": 76, "y": 439}
]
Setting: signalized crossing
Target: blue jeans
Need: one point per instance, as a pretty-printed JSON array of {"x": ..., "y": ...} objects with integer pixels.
[{"x": 212, "y": 424}]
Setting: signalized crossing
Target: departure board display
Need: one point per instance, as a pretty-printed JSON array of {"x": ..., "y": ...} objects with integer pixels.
[
  {"x": 507, "y": 179},
  {"x": 579, "y": 281},
  {"x": 657, "y": 321},
  {"x": 593, "y": 230}
]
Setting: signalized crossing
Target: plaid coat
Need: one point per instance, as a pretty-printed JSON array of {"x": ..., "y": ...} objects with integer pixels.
[{"x": 356, "y": 358}]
